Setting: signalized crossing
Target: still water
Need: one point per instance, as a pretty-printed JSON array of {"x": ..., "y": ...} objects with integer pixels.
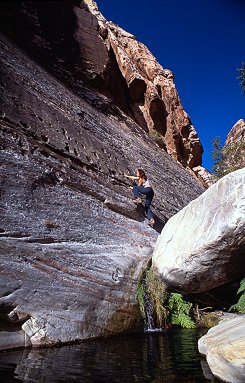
[{"x": 170, "y": 357}]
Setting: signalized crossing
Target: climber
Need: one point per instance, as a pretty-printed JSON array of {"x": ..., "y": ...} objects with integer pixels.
[{"x": 143, "y": 187}]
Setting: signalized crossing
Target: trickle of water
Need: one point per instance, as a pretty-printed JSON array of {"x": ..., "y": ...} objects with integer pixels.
[{"x": 149, "y": 323}]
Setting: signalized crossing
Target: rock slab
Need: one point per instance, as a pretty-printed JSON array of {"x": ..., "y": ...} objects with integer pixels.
[{"x": 203, "y": 246}]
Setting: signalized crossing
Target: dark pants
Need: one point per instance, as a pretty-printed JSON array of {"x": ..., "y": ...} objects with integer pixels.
[{"x": 149, "y": 193}]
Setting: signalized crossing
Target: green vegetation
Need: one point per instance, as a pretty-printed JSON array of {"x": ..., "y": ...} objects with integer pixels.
[
  {"x": 217, "y": 157},
  {"x": 140, "y": 298},
  {"x": 150, "y": 284},
  {"x": 231, "y": 157},
  {"x": 179, "y": 311},
  {"x": 156, "y": 290},
  {"x": 241, "y": 78},
  {"x": 240, "y": 305},
  {"x": 167, "y": 307},
  {"x": 234, "y": 155},
  {"x": 158, "y": 138},
  {"x": 228, "y": 159}
]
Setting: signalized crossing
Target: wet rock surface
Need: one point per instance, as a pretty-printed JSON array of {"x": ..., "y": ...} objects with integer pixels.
[{"x": 73, "y": 244}]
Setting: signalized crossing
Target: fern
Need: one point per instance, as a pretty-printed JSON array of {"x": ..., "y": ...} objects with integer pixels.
[
  {"x": 179, "y": 311},
  {"x": 240, "y": 305},
  {"x": 242, "y": 286},
  {"x": 166, "y": 307}
]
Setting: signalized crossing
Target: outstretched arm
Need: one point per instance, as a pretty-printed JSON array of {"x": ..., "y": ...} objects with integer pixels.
[{"x": 131, "y": 177}]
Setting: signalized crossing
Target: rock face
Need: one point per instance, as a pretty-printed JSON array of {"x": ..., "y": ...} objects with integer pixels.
[
  {"x": 206, "y": 178},
  {"x": 73, "y": 244},
  {"x": 154, "y": 101},
  {"x": 205, "y": 239},
  {"x": 111, "y": 60},
  {"x": 224, "y": 348},
  {"x": 234, "y": 148},
  {"x": 237, "y": 133}
]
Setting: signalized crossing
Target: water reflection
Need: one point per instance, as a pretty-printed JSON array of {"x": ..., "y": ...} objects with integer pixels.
[{"x": 154, "y": 357}]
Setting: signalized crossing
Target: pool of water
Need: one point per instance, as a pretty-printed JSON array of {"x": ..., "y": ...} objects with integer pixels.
[{"x": 149, "y": 357}]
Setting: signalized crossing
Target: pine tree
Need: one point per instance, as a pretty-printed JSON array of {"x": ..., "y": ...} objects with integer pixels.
[
  {"x": 217, "y": 157},
  {"x": 241, "y": 78}
]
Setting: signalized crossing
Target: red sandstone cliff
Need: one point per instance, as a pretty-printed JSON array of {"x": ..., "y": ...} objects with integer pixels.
[{"x": 154, "y": 101}]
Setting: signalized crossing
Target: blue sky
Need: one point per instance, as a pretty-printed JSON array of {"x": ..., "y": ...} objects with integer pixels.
[{"x": 203, "y": 43}]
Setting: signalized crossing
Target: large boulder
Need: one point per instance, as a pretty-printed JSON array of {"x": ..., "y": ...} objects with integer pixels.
[
  {"x": 203, "y": 246},
  {"x": 73, "y": 244},
  {"x": 224, "y": 348}
]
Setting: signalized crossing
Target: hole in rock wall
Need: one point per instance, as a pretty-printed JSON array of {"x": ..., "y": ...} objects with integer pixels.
[
  {"x": 44, "y": 138},
  {"x": 181, "y": 151},
  {"x": 159, "y": 90},
  {"x": 137, "y": 90},
  {"x": 159, "y": 115}
]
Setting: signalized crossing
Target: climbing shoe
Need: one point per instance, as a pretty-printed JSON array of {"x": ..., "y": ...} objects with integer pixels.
[
  {"x": 151, "y": 222},
  {"x": 137, "y": 200}
]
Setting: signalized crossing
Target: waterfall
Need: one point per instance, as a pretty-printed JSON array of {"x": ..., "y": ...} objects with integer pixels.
[
  {"x": 150, "y": 325},
  {"x": 149, "y": 321}
]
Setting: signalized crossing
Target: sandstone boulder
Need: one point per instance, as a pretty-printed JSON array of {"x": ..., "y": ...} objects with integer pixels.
[
  {"x": 203, "y": 246},
  {"x": 224, "y": 348}
]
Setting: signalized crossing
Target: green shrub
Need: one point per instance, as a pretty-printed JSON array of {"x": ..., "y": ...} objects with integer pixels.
[
  {"x": 241, "y": 78},
  {"x": 240, "y": 305},
  {"x": 179, "y": 311}
]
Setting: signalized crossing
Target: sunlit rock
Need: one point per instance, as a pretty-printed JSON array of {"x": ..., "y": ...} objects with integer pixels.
[
  {"x": 206, "y": 178},
  {"x": 237, "y": 133},
  {"x": 234, "y": 148},
  {"x": 154, "y": 100},
  {"x": 203, "y": 246}
]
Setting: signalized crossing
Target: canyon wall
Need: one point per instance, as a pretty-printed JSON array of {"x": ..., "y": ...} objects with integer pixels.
[{"x": 73, "y": 244}]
